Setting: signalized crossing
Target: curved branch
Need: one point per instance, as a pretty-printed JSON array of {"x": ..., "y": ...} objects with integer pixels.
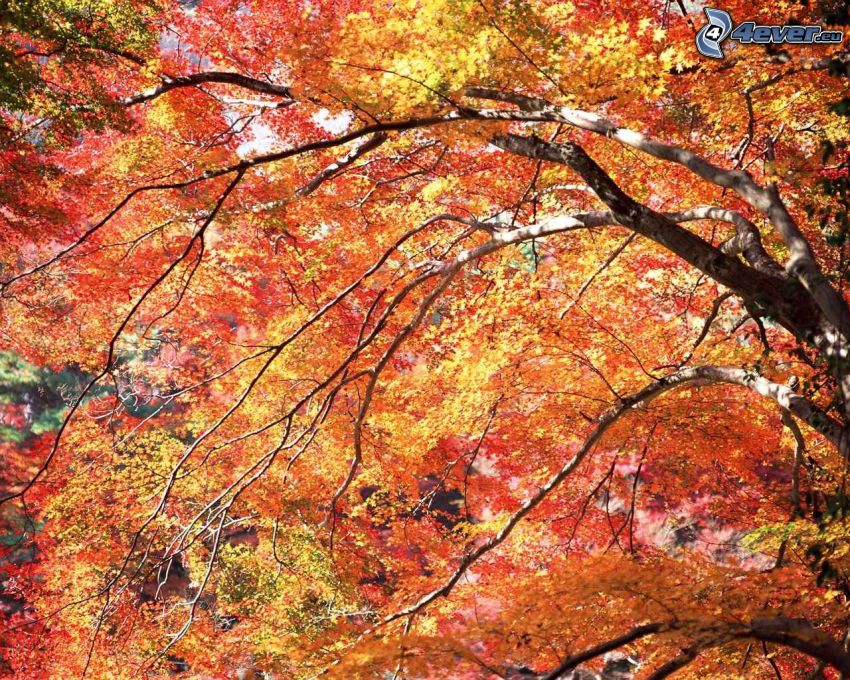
[
  {"x": 335, "y": 168},
  {"x": 113, "y": 342},
  {"x": 193, "y": 80},
  {"x": 801, "y": 263},
  {"x": 375, "y": 373},
  {"x": 263, "y": 159},
  {"x": 802, "y": 636},
  {"x": 634, "y": 634},
  {"x": 819, "y": 64},
  {"x": 747, "y": 241},
  {"x": 794, "y": 633},
  {"x": 784, "y": 299},
  {"x": 678, "y": 662},
  {"x": 700, "y": 375},
  {"x": 373, "y": 130}
]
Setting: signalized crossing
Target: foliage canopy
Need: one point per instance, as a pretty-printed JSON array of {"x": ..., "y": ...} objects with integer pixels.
[{"x": 421, "y": 339}]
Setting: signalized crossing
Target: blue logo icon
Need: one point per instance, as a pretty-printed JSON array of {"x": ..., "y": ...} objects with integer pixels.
[
  {"x": 717, "y": 29},
  {"x": 720, "y": 28}
]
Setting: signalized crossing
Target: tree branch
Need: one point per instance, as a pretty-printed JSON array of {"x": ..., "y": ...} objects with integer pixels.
[
  {"x": 747, "y": 241},
  {"x": 788, "y": 302},
  {"x": 172, "y": 83},
  {"x": 801, "y": 263},
  {"x": 794, "y": 633},
  {"x": 700, "y": 375},
  {"x": 636, "y": 633},
  {"x": 335, "y": 168}
]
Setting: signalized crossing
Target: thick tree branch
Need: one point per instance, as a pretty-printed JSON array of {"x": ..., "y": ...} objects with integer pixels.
[
  {"x": 783, "y": 299},
  {"x": 801, "y": 263},
  {"x": 263, "y": 159},
  {"x": 802, "y": 636},
  {"x": 747, "y": 241},
  {"x": 246, "y": 82},
  {"x": 634, "y": 634},
  {"x": 797, "y": 634}
]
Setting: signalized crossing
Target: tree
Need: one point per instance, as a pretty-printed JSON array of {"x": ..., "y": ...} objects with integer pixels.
[{"x": 437, "y": 338}]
